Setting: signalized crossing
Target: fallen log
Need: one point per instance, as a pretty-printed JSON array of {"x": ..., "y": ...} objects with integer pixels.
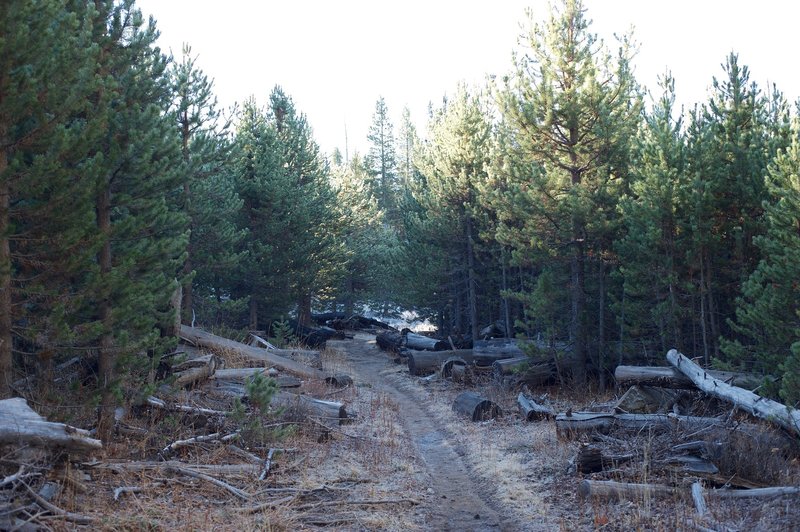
[
  {"x": 419, "y": 342},
  {"x": 299, "y": 405},
  {"x": 390, "y": 341},
  {"x": 195, "y": 370},
  {"x": 611, "y": 490},
  {"x": 746, "y": 400},
  {"x": 642, "y": 399},
  {"x": 591, "y": 459},
  {"x": 517, "y": 371},
  {"x": 20, "y": 425},
  {"x": 669, "y": 377},
  {"x": 533, "y": 411},
  {"x": 506, "y": 346},
  {"x": 270, "y": 356},
  {"x": 577, "y": 422},
  {"x": 427, "y": 362},
  {"x": 476, "y": 407}
]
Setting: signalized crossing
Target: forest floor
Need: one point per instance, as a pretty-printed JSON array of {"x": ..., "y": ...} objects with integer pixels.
[{"x": 405, "y": 461}]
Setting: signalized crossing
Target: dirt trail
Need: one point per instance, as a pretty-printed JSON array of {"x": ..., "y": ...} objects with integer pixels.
[{"x": 457, "y": 501}]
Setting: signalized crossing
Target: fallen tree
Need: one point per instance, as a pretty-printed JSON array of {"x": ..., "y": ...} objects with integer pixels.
[
  {"x": 533, "y": 411},
  {"x": 576, "y": 422},
  {"x": 419, "y": 342},
  {"x": 20, "y": 425},
  {"x": 669, "y": 377},
  {"x": 746, "y": 400},
  {"x": 270, "y": 356}
]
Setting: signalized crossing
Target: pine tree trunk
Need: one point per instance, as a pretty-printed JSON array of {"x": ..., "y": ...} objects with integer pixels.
[
  {"x": 106, "y": 354},
  {"x": 506, "y": 308},
  {"x": 5, "y": 280},
  {"x": 473, "y": 296},
  {"x": 578, "y": 296},
  {"x": 187, "y": 303},
  {"x": 349, "y": 296},
  {"x": 304, "y": 311},
  {"x": 601, "y": 328},
  {"x": 253, "y": 313}
]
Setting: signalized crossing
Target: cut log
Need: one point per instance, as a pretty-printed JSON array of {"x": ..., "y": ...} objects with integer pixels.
[
  {"x": 506, "y": 346},
  {"x": 746, "y": 400},
  {"x": 390, "y": 341},
  {"x": 270, "y": 356},
  {"x": 427, "y": 362},
  {"x": 533, "y": 411},
  {"x": 455, "y": 362},
  {"x": 641, "y": 399},
  {"x": 329, "y": 412},
  {"x": 20, "y": 426},
  {"x": 577, "y": 422},
  {"x": 613, "y": 491},
  {"x": 476, "y": 407},
  {"x": 196, "y": 370},
  {"x": 669, "y": 377},
  {"x": 419, "y": 342},
  {"x": 591, "y": 459}
]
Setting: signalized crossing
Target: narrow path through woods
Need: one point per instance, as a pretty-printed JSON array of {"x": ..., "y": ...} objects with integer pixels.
[{"x": 458, "y": 502}]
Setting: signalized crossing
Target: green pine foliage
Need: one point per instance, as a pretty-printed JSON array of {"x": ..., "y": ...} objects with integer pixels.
[{"x": 767, "y": 322}]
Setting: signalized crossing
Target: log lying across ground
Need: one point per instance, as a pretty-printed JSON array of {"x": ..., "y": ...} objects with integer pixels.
[
  {"x": 476, "y": 407},
  {"x": 20, "y": 425},
  {"x": 611, "y": 490},
  {"x": 270, "y": 356},
  {"x": 576, "y": 422},
  {"x": 533, "y": 411},
  {"x": 746, "y": 400},
  {"x": 327, "y": 411},
  {"x": 426, "y": 362},
  {"x": 390, "y": 341},
  {"x": 669, "y": 377},
  {"x": 423, "y": 343}
]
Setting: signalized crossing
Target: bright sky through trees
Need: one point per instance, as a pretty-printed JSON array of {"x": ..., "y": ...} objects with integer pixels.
[{"x": 335, "y": 58}]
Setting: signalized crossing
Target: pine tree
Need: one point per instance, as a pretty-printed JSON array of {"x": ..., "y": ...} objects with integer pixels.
[
  {"x": 204, "y": 149},
  {"x": 454, "y": 163},
  {"x": 728, "y": 153},
  {"x": 143, "y": 240},
  {"x": 768, "y": 312},
  {"x": 571, "y": 111},
  {"x": 651, "y": 309},
  {"x": 382, "y": 160},
  {"x": 46, "y": 164}
]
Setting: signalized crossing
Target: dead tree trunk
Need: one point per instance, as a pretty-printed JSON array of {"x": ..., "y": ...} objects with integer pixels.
[
  {"x": 20, "y": 425},
  {"x": 746, "y": 400}
]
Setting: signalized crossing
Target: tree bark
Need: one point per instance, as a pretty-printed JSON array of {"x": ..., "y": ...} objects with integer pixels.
[
  {"x": 759, "y": 406},
  {"x": 304, "y": 311},
  {"x": 572, "y": 423}
]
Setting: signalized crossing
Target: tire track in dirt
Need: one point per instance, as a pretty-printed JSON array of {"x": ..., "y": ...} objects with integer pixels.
[{"x": 457, "y": 502}]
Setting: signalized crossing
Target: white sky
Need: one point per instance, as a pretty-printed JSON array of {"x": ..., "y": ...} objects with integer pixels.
[{"x": 336, "y": 57}]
